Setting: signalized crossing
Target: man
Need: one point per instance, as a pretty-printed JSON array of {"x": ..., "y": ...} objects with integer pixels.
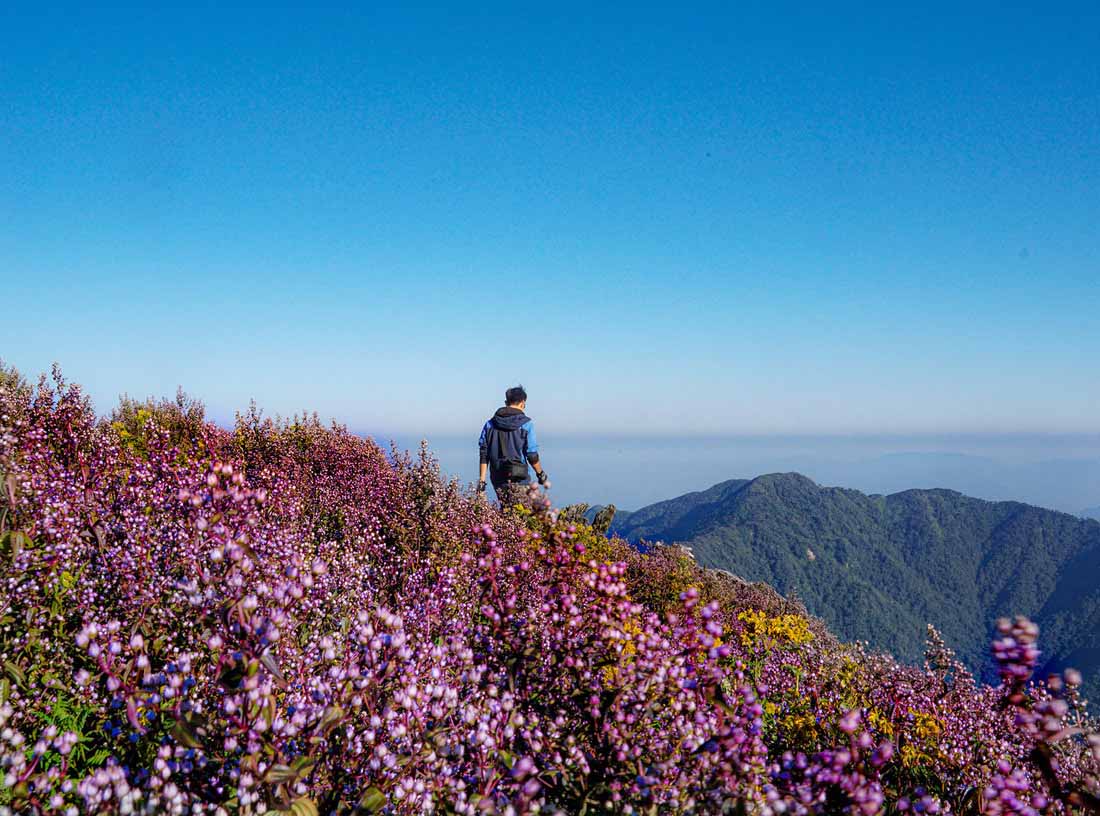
[{"x": 506, "y": 447}]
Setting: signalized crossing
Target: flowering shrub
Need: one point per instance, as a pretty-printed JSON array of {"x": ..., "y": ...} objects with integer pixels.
[
  {"x": 766, "y": 632},
  {"x": 183, "y": 419},
  {"x": 287, "y": 618}
]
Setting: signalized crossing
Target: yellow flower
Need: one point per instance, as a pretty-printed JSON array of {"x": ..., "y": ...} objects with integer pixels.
[
  {"x": 911, "y": 757},
  {"x": 880, "y": 722},
  {"x": 784, "y": 630},
  {"x": 800, "y": 726},
  {"x": 926, "y": 727},
  {"x": 633, "y": 629}
]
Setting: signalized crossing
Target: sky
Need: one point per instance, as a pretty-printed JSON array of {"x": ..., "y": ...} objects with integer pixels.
[{"x": 662, "y": 219}]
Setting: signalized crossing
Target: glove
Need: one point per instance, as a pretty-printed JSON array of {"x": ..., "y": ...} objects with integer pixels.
[
  {"x": 543, "y": 477},
  {"x": 481, "y": 486}
]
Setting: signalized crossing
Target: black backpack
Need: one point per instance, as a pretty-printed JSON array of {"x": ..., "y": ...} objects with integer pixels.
[{"x": 510, "y": 470}]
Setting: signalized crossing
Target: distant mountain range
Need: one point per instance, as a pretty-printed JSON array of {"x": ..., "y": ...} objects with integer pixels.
[
  {"x": 878, "y": 568},
  {"x": 1090, "y": 512}
]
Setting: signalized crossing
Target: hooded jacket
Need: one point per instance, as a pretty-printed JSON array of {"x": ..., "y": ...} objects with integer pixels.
[{"x": 509, "y": 435}]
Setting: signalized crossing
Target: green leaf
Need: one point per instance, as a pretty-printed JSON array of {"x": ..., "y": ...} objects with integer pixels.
[
  {"x": 15, "y": 673},
  {"x": 278, "y": 774},
  {"x": 9, "y": 483},
  {"x": 331, "y": 718},
  {"x": 269, "y": 711},
  {"x": 372, "y": 801},
  {"x": 14, "y": 542},
  {"x": 185, "y": 735},
  {"x": 132, "y": 715},
  {"x": 303, "y": 806},
  {"x": 268, "y": 659},
  {"x": 303, "y": 765}
]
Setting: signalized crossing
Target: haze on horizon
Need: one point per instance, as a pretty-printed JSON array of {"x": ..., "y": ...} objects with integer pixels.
[{"x": 863, "y": 220}]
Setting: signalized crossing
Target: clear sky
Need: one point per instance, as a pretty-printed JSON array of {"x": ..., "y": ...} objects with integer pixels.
[{"x": 717, "y": 219}]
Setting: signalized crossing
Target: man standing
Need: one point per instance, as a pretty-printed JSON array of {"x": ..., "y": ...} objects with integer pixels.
[{"x": 506, "y": 447}]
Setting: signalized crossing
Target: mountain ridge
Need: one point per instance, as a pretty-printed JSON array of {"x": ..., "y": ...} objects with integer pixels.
[{"x": 879, "y": 567}]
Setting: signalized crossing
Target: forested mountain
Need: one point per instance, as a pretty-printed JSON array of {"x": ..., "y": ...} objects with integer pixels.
[
  {"x": 879, "y": 568},
  {"x": 1091, "y": 512}
]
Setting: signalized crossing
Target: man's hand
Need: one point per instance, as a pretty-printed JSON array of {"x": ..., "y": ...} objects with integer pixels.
[
  {"x": 481, "y": 487},
  {"x": 543, "y": 477}
]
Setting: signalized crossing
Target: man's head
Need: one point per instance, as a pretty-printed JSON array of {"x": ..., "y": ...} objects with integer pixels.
[{"x": 516, "y": 397}]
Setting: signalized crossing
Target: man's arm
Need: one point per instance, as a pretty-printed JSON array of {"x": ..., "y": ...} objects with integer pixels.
[
  {"x": 531, "y": 451},
  {"x": 543, "y": 476},
  {"x": 483, "y": 457}
]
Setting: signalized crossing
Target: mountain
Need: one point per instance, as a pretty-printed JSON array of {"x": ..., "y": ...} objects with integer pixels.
[
  {"x": 1090, "y": 512},
  {"x": 879, "y": 568}
]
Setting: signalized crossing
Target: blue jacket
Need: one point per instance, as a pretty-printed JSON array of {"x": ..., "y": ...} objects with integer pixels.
[{"x": 509, "y": 435}]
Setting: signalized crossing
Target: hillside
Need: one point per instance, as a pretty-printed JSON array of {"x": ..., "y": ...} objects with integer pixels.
[
  {"x": 283, "y": 618},
  {"x": 879, "y": 568}
]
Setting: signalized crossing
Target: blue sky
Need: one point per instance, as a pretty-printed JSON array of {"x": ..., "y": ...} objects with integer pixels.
[{"x": 713, "y": 218}]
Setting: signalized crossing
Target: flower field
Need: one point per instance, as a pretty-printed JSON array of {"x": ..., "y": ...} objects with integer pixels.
[{"x": 285, "y": 617}]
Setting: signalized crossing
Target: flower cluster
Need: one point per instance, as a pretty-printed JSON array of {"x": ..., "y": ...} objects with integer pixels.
[{"x": 288, "y": 618}]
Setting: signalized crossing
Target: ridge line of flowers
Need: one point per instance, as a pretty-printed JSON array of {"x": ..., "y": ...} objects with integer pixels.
[{"x": 287, "y": 618}]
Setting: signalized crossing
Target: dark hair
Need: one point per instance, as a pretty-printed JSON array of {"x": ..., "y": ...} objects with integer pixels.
[{"x": 514, "y": 396}]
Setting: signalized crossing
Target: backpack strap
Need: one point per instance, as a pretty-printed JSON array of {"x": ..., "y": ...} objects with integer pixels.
[{"x": 498, "y": 435}]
